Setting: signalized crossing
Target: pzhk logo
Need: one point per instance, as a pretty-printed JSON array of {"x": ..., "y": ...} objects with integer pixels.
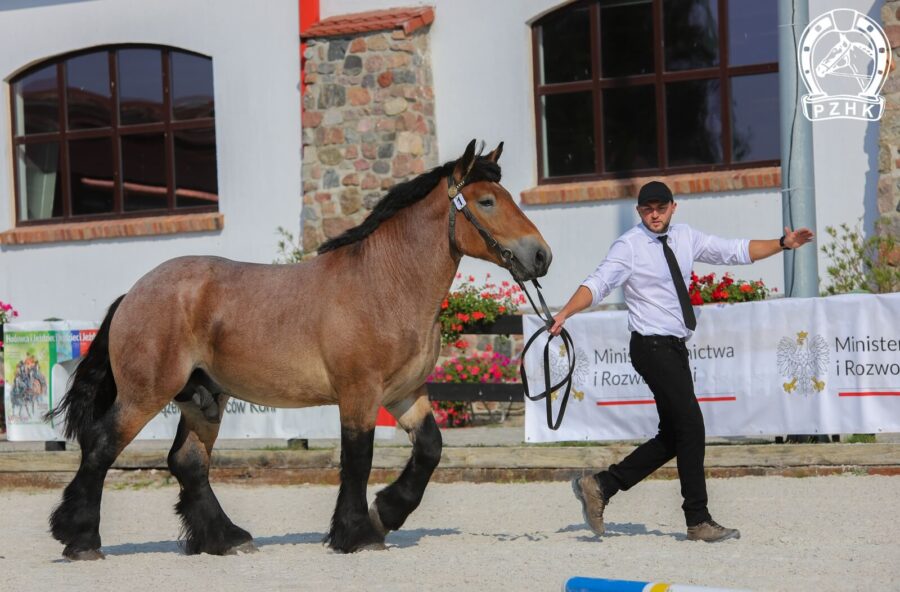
[
  {"x": 803, "y": 361},
  {"x": 844, "y": 59}
]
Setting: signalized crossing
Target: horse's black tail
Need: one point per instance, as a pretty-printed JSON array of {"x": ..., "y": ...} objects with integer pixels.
[{"x": 93, "y": 388}]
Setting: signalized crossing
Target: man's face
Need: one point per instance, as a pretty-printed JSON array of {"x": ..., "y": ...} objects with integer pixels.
[{"x": 656, "y": 215}]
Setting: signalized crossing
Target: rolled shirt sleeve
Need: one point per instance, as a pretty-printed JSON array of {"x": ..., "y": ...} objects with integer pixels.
[
  {"x": 720, "y": 251},
  {"x": 612, "y": 272}
]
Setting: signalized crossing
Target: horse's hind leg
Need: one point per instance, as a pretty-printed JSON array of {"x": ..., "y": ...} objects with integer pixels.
[
  {"x": 205, "y": 526},
  {"x": 396, "y": 502},
  {"x": 76, "y": 521},
  {"x": 351, "y": 530}
]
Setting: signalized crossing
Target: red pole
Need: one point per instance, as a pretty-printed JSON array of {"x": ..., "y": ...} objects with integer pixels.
[{"x": 309, "y": 15}]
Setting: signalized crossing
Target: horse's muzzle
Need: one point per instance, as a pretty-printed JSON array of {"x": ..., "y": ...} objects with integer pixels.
[{"x": 531, "y": 259}]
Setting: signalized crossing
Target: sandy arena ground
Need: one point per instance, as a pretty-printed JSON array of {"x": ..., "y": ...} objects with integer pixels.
[{"x": 823, "y": 533}]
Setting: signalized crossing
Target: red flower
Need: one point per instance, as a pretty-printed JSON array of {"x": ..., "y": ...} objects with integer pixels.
[
  {"x": 696, "y": 298},
  {"x": 477, "y": 315},
  {"x": 719, "y": 295},
  {"x": 746, "y": 288},
  {"x": 445, "y": 304},
  {"x": 727, "y": 280},
  {"x": 461, "y": 344}
]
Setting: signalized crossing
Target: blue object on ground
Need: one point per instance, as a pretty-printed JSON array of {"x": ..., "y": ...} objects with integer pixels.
[{"x": 579, "y": 584}]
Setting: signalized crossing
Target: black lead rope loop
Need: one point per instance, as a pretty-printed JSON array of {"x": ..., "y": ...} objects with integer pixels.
[{"x": 549, "y": 389}]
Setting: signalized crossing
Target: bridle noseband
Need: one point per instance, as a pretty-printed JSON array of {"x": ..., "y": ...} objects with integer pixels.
[{"x": 454, "y": 192}]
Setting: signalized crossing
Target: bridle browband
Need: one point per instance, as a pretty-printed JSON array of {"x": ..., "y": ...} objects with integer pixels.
[{"x": 458, "y": 203}]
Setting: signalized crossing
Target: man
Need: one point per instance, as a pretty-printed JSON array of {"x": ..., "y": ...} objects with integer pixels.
[{"x": 652, "y": 261}]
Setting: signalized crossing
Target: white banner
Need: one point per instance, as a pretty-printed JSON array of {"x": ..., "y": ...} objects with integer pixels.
[
  {"x": 39, "y": 358},
  {"x": 788, "y": 366}
]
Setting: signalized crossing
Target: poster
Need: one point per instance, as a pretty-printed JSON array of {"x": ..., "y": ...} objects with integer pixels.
[{"x": 776, "y": 367}]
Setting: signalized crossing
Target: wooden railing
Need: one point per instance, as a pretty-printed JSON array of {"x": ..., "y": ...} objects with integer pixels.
[{"x": 476, "y": 391}]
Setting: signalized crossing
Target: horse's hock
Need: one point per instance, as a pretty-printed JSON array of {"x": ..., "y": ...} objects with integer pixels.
[{"x": 368, "y": 115}]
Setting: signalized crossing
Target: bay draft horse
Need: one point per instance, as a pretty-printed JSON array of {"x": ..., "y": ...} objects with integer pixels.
[{"x": 356, "y": 326}]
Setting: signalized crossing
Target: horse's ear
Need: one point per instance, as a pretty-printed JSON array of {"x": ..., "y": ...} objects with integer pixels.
[
  {"x": 494, "y": 156},
  {"x": 465, "y": 162}
]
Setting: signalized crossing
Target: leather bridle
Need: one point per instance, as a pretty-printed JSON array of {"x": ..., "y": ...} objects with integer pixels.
[{"x": 458, "y": 203}]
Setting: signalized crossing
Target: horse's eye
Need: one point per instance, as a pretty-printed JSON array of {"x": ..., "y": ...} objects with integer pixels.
[{"x": 487, "y": 202}]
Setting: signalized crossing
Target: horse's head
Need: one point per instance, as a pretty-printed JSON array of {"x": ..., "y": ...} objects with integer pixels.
[{"x": 493, "y": 228}]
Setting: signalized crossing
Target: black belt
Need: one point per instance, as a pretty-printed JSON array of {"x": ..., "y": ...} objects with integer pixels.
[{"x": 658, "y": 338}]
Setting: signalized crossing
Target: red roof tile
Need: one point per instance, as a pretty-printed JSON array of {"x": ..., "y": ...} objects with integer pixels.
[{"x": 409, "y": 19}]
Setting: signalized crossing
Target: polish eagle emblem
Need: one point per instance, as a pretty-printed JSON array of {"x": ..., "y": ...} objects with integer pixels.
[
  {"x": 803, "y": 361},
  {"x": 559, "y": 367}
]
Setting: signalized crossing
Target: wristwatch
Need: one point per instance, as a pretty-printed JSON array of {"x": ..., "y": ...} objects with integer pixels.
[{"x": 783, "y": 246}]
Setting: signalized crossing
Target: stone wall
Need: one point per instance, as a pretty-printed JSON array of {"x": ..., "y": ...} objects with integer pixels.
[
  {"x": 889, "y": 143},
  {"x": 368, "y": 123}
]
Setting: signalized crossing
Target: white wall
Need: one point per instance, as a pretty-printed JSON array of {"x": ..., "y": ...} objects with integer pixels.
[
  {"x": 256, "y": 70},
  {"x": 481, "y": 59}
]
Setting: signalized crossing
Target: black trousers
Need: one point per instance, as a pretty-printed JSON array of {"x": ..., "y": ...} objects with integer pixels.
[{"x": 663, "y": 363}]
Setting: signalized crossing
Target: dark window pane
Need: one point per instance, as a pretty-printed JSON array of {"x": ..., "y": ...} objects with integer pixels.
[
  {"x": 566, "y": 46},
  {"x": 37, "y": 102},
  {"x": 569, "y": 134},
  {"x": 87, "y": 91},
  {"x": 752, "y": 32},
  {"x": 626, "y": 39},
  {"x": 140, "y": 86},
  {"x": 195, "y": 168},
  {"x": 40, "y": 184},
  {"x": 144, "y": 172},
  {"x": 694, "y": 122},
  {"x": 192, "y": 86},
  {"x": 91, "y": 176},
  {"x": 629, "y": 128},
  {"x": 691, "y": 34},
  {"x": 755, "y": 118}
]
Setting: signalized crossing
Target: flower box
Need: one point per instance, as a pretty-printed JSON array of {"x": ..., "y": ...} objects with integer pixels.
[
  {"x": 474, "y": 391},
  {"x": 507, "y": 324}
]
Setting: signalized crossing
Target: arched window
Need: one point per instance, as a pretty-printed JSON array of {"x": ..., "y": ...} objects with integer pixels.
[
  {"x": 636, "y": 87},
  {"x": 114, "y": 131}
]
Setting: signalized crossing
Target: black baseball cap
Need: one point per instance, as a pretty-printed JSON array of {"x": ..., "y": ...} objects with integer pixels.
[{"x": 654, "y": 191}]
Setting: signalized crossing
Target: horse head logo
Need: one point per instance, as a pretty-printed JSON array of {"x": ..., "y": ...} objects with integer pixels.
[{"x": 844, "y": 58}]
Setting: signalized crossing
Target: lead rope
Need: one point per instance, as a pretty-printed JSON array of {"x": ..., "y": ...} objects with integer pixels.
[{"x": 544, "y": 314}]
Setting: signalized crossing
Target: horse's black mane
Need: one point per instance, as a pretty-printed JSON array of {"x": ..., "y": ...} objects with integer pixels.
[{"x": 407, "y": 193}]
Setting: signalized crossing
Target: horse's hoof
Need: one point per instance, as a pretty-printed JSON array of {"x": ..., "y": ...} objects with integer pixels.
[
  {"x": 375, "y": 519},
  {"x": 373, "y": 547},
  {"x": 87, "y": 555},
  {"x": 242, "y": 549}
]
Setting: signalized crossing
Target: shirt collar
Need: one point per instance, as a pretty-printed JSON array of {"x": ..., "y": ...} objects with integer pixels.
[{"x": 651, "y": 236}]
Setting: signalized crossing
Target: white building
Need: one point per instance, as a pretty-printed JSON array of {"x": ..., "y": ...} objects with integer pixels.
[
  {"x": 240, "y": 67},
  {"x": 482, "y": 59}
]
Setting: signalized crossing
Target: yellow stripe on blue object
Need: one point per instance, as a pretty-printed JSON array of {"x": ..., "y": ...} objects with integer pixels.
[{"x": 579, "y": 584}]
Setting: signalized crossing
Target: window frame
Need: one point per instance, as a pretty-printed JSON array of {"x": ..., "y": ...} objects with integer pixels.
[
  {"x": 658, "y": 78},
  {"x": 114, "y": 132}
]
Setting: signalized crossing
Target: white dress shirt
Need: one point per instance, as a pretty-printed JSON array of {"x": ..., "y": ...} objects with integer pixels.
[{"x": 636, "y": 262}]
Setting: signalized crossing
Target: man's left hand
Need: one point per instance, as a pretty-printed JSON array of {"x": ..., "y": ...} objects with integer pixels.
[{"x": 797, "y": 238}]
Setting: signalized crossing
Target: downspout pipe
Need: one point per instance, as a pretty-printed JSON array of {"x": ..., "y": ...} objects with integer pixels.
[{"x": 798, "y": 195}]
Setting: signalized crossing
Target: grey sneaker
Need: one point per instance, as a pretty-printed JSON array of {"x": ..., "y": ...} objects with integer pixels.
[
  {"x": 588, "y": 492},
  {"x": 711, "y": 532}
]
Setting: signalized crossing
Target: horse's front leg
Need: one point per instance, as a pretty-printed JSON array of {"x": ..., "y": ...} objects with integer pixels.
[
  {"x": 351, "y": 530},
  {"x": 396, "y": 502}
]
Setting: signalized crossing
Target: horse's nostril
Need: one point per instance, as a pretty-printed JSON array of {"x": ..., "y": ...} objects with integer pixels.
[{"x": 541, "y": 261}]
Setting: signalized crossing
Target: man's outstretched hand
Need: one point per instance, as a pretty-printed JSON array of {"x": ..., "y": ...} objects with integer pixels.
[{"x": 797, "y": 238}]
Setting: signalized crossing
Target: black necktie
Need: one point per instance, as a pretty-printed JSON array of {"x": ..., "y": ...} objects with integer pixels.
[{"x": 690, "y": 321}]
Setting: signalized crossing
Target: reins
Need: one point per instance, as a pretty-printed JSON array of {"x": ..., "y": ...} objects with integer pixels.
[{"x": 507, "y": 256}]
